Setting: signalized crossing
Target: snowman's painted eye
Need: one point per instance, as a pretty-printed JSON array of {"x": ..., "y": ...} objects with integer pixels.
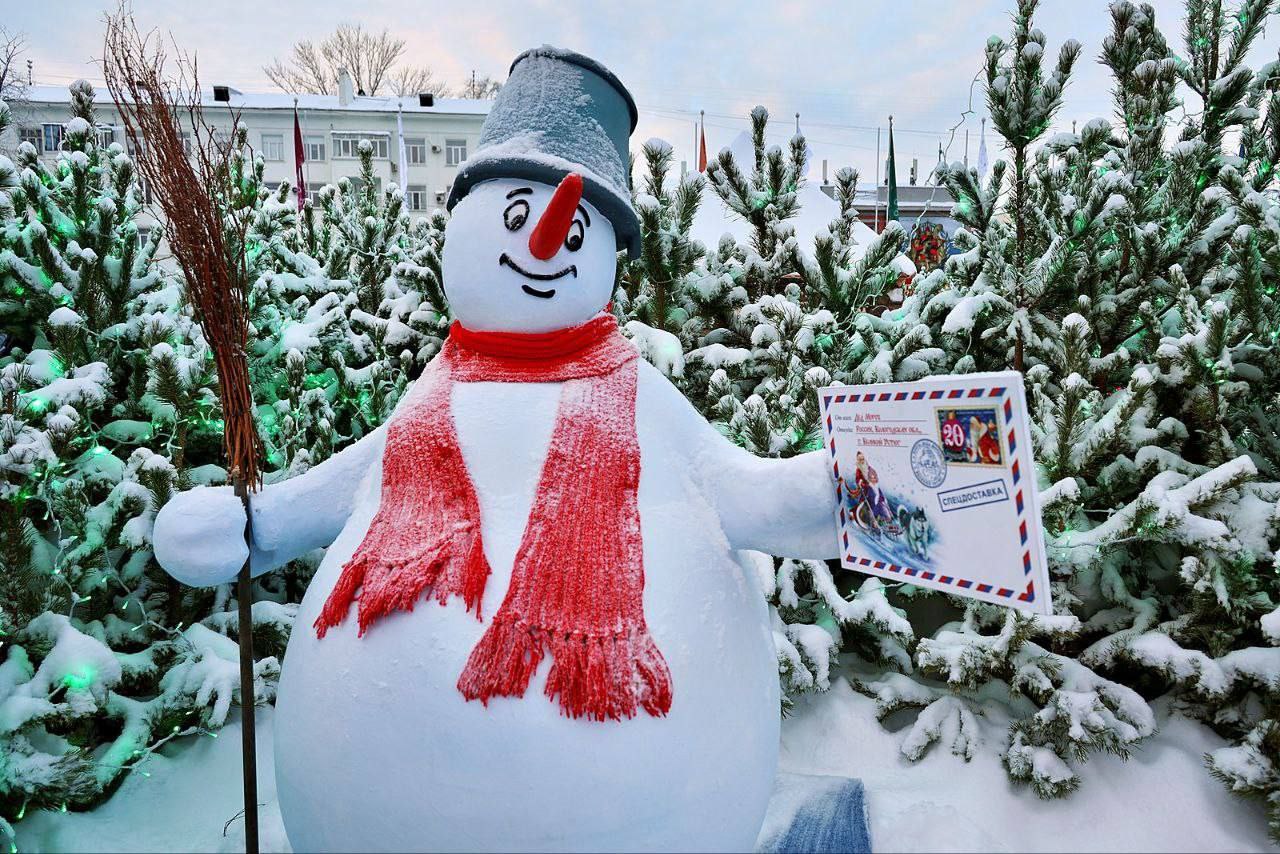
[
  {"x": 576, "y": 233},
  {"x": 516, "y": 214}
]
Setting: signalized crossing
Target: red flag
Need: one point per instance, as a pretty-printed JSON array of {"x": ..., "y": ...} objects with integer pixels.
[
  {"x": 299, "y": 158},
  {"x": 702, "y": 149}
]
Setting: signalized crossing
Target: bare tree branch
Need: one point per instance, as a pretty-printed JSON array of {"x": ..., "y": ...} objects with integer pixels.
[
  {"x": 411, "y": 80},
  {"x": 482, "y": 86},
  {"x": 307, "y": 71},
  {"x": 370, "y": 58},
  {"x": 13, "y": 78}
]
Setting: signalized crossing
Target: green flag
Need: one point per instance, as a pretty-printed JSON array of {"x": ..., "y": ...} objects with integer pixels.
[{"x": 892, "y": 179}]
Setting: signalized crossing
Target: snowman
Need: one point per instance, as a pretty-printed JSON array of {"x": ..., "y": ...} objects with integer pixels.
[{"x": 531, "y": 630}]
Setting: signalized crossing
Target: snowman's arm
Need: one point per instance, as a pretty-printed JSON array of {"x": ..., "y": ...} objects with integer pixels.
[
  {"x": 780, "y": 507},
  {"x": 198, "y": 535},
  {"x": 308, "y": 512}
]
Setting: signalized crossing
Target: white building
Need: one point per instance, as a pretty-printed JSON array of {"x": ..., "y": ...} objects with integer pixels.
[{"x": 439, "y": 133}]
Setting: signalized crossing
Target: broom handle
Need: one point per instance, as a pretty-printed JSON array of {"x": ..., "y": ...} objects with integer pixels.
[{"x": 248, "y": 741}]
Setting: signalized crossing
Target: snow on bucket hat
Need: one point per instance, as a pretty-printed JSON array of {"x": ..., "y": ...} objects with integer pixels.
[{"x": 561, "y": 112}]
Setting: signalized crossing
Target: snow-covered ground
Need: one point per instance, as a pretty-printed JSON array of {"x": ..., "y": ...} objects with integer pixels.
[{"x": 1162, "y": 799}]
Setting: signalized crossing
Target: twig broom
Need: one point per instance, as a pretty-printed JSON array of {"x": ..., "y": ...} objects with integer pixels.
[{"x": 207, "y": 237}]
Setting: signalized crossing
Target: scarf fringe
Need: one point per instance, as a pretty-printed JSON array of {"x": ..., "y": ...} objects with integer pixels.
[
  {"x": 599, "y": 677},
  {"x": 438, "y": 571}
]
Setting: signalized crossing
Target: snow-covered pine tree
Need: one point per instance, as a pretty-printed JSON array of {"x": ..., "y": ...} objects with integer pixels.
[
  {"x": 759, "y": 323},
  {"x": 1022, "y": 103},
  {"x": 764, "y": 193},
  {"x": 370, "y": 222},
  {"x": 1131, "y": 275},
  {"x": 420, "y": 274},
  {"x": 651, "y": 284},
  {"x": 100, "y": 670},
  {"x": 107, "y": 406}
]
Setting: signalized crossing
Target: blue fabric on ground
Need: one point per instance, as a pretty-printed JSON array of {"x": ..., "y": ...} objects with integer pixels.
[{"x": 814, "y": 815}]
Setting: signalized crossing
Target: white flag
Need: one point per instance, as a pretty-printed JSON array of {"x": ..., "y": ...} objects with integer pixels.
[{"x": 404, "y": 157}]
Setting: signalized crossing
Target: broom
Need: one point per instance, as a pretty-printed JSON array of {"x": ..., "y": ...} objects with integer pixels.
[{"x": 207, "y": 237}]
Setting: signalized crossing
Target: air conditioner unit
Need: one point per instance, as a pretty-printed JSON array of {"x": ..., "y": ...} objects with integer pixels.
[
  {"x": 435, "y": 149},
  {"x": 440, "y": 197}
]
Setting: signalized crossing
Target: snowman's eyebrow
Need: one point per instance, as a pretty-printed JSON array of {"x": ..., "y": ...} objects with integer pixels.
[
  {"x": 520, "y": 191},
  {"x": 585, "y": 218}
]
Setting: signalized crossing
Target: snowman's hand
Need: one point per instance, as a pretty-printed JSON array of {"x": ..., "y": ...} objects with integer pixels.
[
  {"x": 199, "y": 536},
  {"x": 783, "y": 507}
]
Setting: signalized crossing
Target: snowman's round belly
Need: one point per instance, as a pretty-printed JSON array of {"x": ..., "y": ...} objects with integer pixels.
[{"x": 377, "y": 750}]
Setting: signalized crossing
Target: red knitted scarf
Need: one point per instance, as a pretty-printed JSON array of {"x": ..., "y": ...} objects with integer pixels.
[{"x": 577, "y": 584}]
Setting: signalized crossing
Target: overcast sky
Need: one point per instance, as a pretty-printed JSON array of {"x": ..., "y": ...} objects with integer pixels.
[{"x": 844, "y": 66}]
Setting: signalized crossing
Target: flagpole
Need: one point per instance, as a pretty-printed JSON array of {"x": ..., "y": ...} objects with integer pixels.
[
  {"x": 891, "y": 179},
  {"x": 877, "y": 195},
  {"x": 306, "y": 164},
  {"x": 299, "y": 159},
  {"x": 404, "y": 156}
]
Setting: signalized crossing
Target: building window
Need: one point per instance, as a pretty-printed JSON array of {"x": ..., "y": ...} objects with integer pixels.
[
  {"x": 106, "y": 136},
  {"x": 416, "y": 197},
  {"x": 347, "y": 145},
  {"x": 32, "y": 135},
  {"x": 313, "y": 148},
  {"x": 144, "y": 234},
  {"x": 273, "y": 146},
  {"x": 455, "y": 151},
  {"x": 219, "y": 138},
  {"x": 186, "y": 142},
  {"x": 415, "y": 148},
  {"x": 357, "y": 185},
  {"x": 52, "y": 137},
  {"x": 314, "y": 187}
]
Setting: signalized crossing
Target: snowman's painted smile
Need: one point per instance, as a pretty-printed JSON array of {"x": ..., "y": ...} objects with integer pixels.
[{"x": 540, "y": 277}]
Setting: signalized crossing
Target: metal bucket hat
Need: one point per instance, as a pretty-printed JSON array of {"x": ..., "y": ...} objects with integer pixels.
[{"x": 561, "y": 112}]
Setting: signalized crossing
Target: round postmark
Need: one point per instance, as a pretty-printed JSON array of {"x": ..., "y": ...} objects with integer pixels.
[{"x": 928, "y": 464}]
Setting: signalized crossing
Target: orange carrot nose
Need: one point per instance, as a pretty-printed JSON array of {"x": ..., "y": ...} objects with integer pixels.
[{"x": 553, "y": 225}]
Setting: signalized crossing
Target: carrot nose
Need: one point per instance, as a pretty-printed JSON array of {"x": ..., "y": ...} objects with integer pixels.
[{"x": 553, "y": 225}]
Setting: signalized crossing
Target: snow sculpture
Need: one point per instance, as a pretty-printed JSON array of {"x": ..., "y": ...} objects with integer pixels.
[{"x": 598, "y": 672}]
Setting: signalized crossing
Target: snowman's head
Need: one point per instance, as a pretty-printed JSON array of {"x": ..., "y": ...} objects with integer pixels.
[{"x": 521, "y": 256}]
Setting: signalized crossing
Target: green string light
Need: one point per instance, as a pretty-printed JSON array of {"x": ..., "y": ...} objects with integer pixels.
[{"x": 79, "y": 680}]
